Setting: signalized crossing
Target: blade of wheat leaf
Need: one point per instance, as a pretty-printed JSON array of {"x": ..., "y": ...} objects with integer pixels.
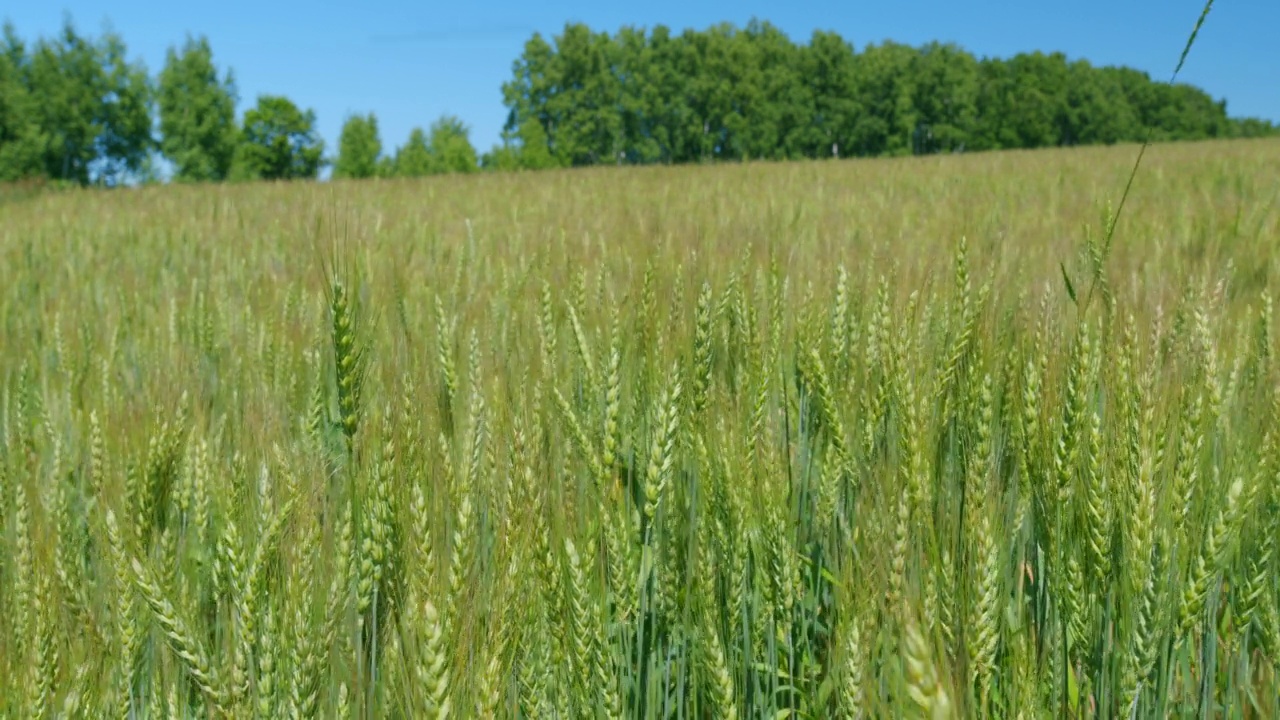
[{"x": 1133, "y": 172}]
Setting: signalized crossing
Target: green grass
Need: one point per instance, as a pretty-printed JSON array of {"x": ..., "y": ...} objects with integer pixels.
[{"x": 771, "y": 440}]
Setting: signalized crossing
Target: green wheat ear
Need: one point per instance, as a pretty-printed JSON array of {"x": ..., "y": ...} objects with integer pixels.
[{"x": 348, "y": 358}]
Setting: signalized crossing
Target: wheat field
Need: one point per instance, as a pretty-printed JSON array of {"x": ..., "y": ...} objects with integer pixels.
[{"x": 869, "y": 439}]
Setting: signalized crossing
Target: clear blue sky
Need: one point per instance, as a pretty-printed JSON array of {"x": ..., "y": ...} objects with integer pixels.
[{"x": 410, "y": 62}]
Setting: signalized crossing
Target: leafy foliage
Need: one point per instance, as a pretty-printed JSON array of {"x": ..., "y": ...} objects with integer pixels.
[
  {"x": 447, "y": 149},
  {"x": 197, "y": 114},
  {"x": 413, "y": 159},
  {"x": 732, "y": 93},
  {"x": 73, "y": 109},
  {"x": 278, "y": 142},
  {"x": 359, "y": 148},
  {"x": 450, "y": 147},
  {"x": 21, "y": 141}
]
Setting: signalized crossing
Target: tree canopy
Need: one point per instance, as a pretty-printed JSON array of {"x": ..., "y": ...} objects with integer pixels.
[
  {"x": 413, "y": 159},
  {"x": 77, "y": 109},
  {"x": 727, "y": 93},
  {"x": 446, "y": 149},
  {"x": 279, "y": 142},
  {"x": 359, "y": 148},
  {"x": 21, "y": 138},
  {"x": 450, "y": 147},
  {"x": 197, "y": 114},
  {"x": 72, "y": 108}
]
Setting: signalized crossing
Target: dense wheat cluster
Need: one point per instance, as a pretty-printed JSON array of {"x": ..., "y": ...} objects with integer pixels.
[{"x": 863, "y": 439}]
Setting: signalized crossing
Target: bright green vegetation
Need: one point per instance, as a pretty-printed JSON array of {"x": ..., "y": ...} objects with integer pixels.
[
  {"x": 803, "y": 440},
  {"x": 725, "y": 93},
  {"x": 77, "y": 110}
]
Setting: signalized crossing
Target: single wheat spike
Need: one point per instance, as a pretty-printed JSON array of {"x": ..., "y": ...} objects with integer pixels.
[
  {"x": 184, "y": 643},
  {"x": 433, "y": 667},
  {"x": 348, "y": 360},
  {"x": 924, "y": 686},
  {"x": 852, "y": 686},
  {"x": 1210, "y": 561},
  {"x": 721, "y": 686}
]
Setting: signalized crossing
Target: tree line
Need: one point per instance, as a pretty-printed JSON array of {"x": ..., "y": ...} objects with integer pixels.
[
  {"x": 730, "y": 93},
  {"x": 76, "y": 109}
]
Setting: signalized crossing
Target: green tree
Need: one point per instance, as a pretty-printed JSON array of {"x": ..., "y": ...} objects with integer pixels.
[
  {"x": 1252, "y": 128},
  {"x": 77, "y": 109},
  {"x": 724, "y": 93},
  {"x": 197, "y": 114},
  {"x": 629, "y": 56},
  {"x": 447, "y": 149},
  {"x": 522, "y": 149},
  {"x": 535, "y": 151},
  {"x": 503, "y": 157},
  {"x": 1184, "y": 112},
  {"x": 125, "y": 142},
  {"x": 21, "y": 143},
  {"x": 829, "y": 63},
  {"x": 93, "y": 108},
  {"x": 584, "y": 103},
  {"x": 885, "y": 93},
  {"x": 65, "y": 76},
  {"x": 279, "y": 142},
  {"x": 414, "y": 158},
  {"x": 674, "y": 117},
  {"x": 450, "y": 147},
  {"x": 1024, "y": 103},
  {"x": 359, "y": 148},
  {"x": 527, "y": 96},
  {"x": 526, "y": 140},
  {"x": 1096, "y": 109},
  {"x": 714, "y": 64},
  {"x": 775, "y": 98},
  {"x": 944, "y": 98}
]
